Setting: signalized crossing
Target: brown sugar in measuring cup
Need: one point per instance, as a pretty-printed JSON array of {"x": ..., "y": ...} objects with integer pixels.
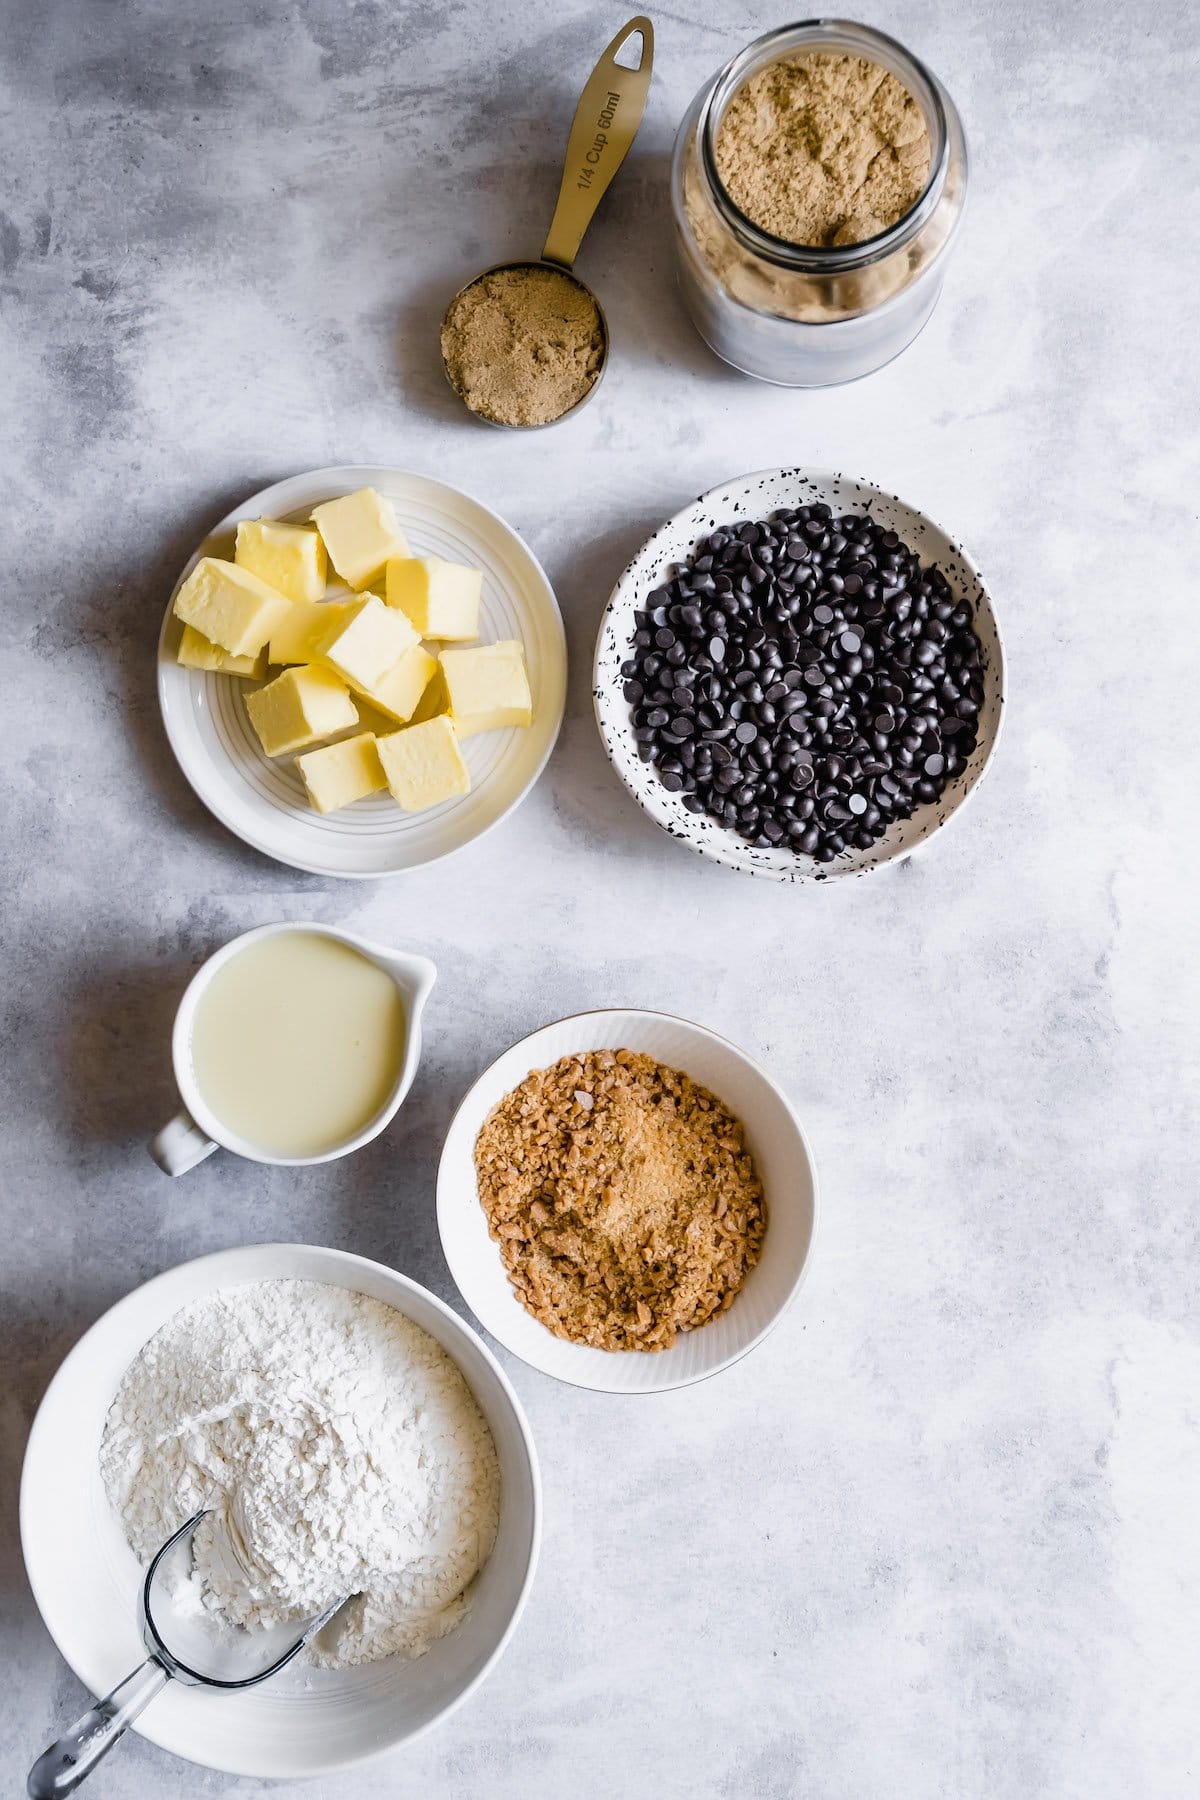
[{"x": 525, "y": 344}]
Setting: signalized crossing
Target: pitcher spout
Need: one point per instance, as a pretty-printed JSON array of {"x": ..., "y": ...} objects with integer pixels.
[{"x": 420, "y": 977}]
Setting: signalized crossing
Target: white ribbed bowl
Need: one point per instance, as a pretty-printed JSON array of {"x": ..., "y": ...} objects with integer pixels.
[
  {"x": 262, "y": 798},
  {"x": 785, "y": 1164},
  {"x": 86, "y": 1579}
]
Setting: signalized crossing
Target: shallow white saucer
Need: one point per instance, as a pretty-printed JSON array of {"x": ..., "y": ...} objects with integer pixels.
[{"x": 262, "y": 798}]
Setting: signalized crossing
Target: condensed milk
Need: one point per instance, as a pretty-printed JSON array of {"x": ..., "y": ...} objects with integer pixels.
[{"x": 298, "y": 1042}]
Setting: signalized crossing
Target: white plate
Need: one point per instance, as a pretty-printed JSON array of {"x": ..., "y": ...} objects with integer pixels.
[
  {"x": 85, "y": 1579},
  {"x": 755, "y": 497},
  {"x": 777, "y": 1142},
  {"x": 262, "y": 799}
]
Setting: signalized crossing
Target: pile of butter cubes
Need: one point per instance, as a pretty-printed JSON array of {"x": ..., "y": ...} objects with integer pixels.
[{"x": 354, "y": 662}]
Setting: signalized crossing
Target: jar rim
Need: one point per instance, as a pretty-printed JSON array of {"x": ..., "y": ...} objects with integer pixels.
[{"x": 875, "y": 46}]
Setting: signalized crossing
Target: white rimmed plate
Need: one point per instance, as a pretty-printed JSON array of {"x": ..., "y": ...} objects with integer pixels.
[
  {"x": 756, "y": 497},
  {"x": 262, "y": 799},
  {"x": 85, "y": 1578},
  {"x": 776, "y": 1140}
]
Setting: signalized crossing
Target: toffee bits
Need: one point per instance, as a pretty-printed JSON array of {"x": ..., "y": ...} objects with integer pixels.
[{"x": 803, "y": 681}]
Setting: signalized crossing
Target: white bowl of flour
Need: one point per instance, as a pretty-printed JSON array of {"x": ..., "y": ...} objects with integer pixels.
[{"x": 387, "y": 1435}]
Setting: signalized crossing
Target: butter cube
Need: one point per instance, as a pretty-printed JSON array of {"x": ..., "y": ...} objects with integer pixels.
[
  {"x": 367, "y": 643},
  {"x": 298, "y": 708},
  {"x": 424, "y": 765},
  {"x": 304, "y": 627},
  {"x": 342, "y": 773},
  {"x": 401, "y": 688},
  {"x": 361, "y": 535},
  {"x": 195, "y": 652},
  {"x": 290, "y": 558},
  {"x": 233, "y": 608},
  {"x": 488, "y": 687},
  {"x": 441, "y": 598}
]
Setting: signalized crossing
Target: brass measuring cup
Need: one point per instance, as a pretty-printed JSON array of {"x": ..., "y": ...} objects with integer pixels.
[{"x": 605, "y": 124}]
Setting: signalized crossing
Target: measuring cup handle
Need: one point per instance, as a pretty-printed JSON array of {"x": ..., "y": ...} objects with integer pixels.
[
  {"x": 606, "y": 120},
  {"x": 180, "y": 1145},
  {"x": 60, "y": 1769}
]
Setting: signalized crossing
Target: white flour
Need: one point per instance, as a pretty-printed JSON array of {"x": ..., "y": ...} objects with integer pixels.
[{"x": 340, "y": 1448}]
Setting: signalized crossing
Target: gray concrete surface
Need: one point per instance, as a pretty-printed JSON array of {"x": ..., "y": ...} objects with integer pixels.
[{"x": 938, "y": 1536}]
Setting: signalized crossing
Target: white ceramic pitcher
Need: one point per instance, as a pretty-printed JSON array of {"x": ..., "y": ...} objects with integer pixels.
[{"x": 195, "y": 1131}]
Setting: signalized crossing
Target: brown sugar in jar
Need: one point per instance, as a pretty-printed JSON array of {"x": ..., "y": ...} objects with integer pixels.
[
  {"x": 823, "y": 149},
  {"x": 817, "y": 186}
]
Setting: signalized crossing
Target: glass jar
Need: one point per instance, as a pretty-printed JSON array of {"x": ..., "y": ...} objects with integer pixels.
[{"x": 807, "y": 315}]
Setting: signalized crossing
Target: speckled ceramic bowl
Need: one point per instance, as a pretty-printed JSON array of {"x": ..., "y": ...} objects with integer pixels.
[{"x": 756, "y": 497}]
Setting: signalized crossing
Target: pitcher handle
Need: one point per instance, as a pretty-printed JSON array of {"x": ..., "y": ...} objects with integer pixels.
[{"x": 180, "y": 1145}]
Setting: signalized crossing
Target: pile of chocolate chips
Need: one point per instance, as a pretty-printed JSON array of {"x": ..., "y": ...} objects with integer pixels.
[{"x": 804, "y": 681}]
